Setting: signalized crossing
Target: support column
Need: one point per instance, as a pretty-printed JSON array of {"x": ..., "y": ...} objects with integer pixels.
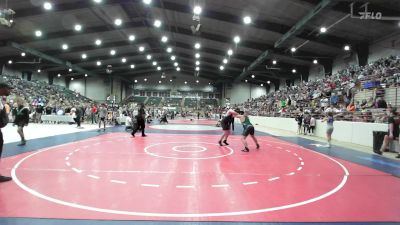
[
  {"x": 282, "y": 83},
  {"x": 328, "y": 64},
  {"x": 67, "y": 82},
  {"x": 362, "y": 53},
  {"x": 50, "y": 78}
]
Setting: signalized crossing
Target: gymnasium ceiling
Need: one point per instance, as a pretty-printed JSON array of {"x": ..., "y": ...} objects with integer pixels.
[{"x": 221, "y": 21}]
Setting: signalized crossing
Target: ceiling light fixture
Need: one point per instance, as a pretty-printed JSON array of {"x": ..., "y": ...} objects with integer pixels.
[
  {"x": 197, "y": 55},
  {"x": 164, "y": 39},
  {"x": 197, "y": 68},
  {"x": 236, "y": 39},
  {"x": 221, "y": 68},
  {"x": 322, "y": 30},
  {"x": 58, "y": 75},
  {"x": 197, "y": 46},
  {"x": 132, "y": 66},
  {"x": 47, "y": 6},
  {"x": 118, "y": 22},
  {"x": 159, "y": 68},
  {"x": 253, "y": 76},
  {"x": 294, "y": 71},
  {"x": 38, "y": 33},
  {"x": 64, "y": 46},
  {"x": 230, "y": 52},
  {"x": 23, "y": 54},
  {"x": 225, "y": 61},
  {"x": 178, "y": 69},
  {"x": 72, "y": 78},
  {"x": 247, "y": 20},
  {"x": 10, "y": 61},
  {"x": 123, "y": 60},
  {"x": 98, "y": 42},
  {"x": 293, "y": 49},
  {"x": 135, "y": 81},
  {"x": 315, "y": 61},
  {"x": 98, "y": 63},
  {"x": 69, "y": 70},
  {"x": 169, "y": 49},
  {"x": 274, "y": 62},
  {"x": 154, "y": 63},
  {"x": 197, "y": 10},
  {"x": 147, "y": 2},
  {"x": 141, "y": 49},
  {"x": 113, "y": 52},
  {"x": 173, "y": 58},
  {"x": 347, "y": 48},
  {"x": 148, "y": 57},
  {"x": 268, "y": 82},
  {"x": 176, "y": 64},
  {"x": 197, "y": 63},
  {"x": 78, "y": 27},
  {"x": 85, "y": 74},
  {"x": 132, "y": 37},
  {"x": 98, "y": 1},
  {"x": 157, "y": 23},
  {"x": 39, "y": 71},
  {"x": 84, "y": 56}
]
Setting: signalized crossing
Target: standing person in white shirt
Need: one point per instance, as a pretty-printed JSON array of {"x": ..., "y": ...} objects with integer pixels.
[{"x": 5, "y": 90}]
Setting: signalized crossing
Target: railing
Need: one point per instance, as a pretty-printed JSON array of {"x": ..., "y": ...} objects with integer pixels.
[{"x": 372, "y": 115}]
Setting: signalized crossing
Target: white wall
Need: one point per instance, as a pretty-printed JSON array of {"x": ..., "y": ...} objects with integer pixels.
[
  {"x": 271, "y": 88},
  {"x": 97, "y": 89},
  {"x": 384, "y": 48},
  {"x": 344, "y": 60},
  {"x": 239, "y": 93},
  {"x": 352, "y": 132},
  {"x": 59, "y": 81},
  {"x": 257, "y": 91},
  {"x": 316, "y": 72},
  {"x": 42, "y": 76},
  {"x": 11, "y": 72},
  {"x": 77, "y": 86}
]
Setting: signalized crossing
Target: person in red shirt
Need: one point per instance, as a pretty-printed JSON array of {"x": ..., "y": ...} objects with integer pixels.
[{"x": 93, "y": 112}]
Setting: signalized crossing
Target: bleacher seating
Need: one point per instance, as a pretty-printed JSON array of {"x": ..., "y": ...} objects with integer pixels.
[
  {"x": 173, "y": 102},
  {"x": 208, "y": 102},
  {"x": 191, "y": 103},
  {"x": 356, "y": 93},
  {"x": 153, "y": 101}
]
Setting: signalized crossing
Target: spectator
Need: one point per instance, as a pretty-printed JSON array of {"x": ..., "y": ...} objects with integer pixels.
[
  {"x": 5, "y": 90},
  {"x": 21, "y": 119}
]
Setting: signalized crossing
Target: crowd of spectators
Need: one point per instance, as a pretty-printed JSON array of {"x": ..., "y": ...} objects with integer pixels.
[
  {"x": 42, "y": 98},
  {"x": 334, "y": 93}
]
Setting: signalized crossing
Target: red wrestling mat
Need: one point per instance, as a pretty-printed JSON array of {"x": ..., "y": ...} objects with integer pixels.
[{"x": 190, "y": 177}]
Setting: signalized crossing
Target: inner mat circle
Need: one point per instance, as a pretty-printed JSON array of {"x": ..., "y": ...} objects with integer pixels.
[
  {"x": 176, "y": 148},
  {"x": 185, "y": 127}
]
